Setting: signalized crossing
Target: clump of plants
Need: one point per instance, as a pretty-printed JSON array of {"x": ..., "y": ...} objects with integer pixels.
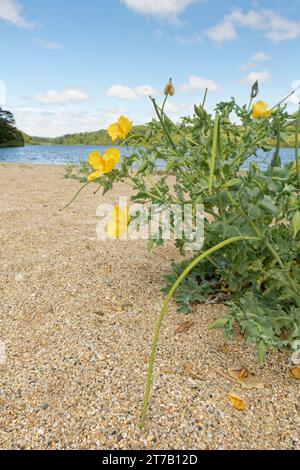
[{"x": 251, "y": 251}]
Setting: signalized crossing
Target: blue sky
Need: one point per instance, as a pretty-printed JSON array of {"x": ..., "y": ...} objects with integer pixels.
[{"x": 77, "y": 65}]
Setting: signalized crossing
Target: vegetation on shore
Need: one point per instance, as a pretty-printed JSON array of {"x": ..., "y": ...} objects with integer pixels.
[{"x": 10, "y": 136}]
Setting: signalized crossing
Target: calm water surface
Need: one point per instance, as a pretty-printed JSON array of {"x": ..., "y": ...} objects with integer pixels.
[{"x": 63, "y": 154}]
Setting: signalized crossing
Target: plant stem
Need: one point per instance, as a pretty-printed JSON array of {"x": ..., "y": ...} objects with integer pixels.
[
  {"x": 164, "y": 309},
  {"x": 282, "y": 101},
  {"x": 204, "y": 99},
  {"x": 163, "y": 126},
  {"x": 297, "y": 147},
  {"x": 214, "y": 153},
  {"x": 77, "y": 194}
]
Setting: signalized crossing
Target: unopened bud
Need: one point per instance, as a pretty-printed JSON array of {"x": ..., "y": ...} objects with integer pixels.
[
  {"x": 254, "y": 90},
  {"x": 169, "y": 89},
  {"x": 199, "y": 111}
]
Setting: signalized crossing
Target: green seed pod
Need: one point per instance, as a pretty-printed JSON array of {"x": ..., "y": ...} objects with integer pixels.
[{"x": 200, "y": 111}]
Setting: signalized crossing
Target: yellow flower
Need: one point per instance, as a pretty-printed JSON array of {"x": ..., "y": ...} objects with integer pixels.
[
  {"x": 105, "y": 164},
  {"x": 119, "y": 222},
  {"x": 120, "y": 129},
  {"x": 260, "y": 110}
]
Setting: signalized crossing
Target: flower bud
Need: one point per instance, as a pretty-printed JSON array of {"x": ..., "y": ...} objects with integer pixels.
[
  {"x": 169, "y": 89},
  {"x": 254, "y": 90},
  {"x": 199, "y": 111}
]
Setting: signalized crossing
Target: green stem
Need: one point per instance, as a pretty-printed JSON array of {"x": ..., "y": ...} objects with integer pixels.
[
  {"x": 214, "y": 153},
  {"x": 77, "y": 194},
  {"x": 204, "y": 99},
  {"x": 297, "y": 147},
  {"x": 163, "y": 126},
  {"x": 241, "y": 154},
  {"x": 282, "y": 101},
  {"x": 164, "y": 309}
]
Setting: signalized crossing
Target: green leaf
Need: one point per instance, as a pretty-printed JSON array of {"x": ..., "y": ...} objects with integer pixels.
[
  {"x": 296, "y": 223},
  {"x": 262, "y": 351},
  {"x": 220, "y": 323}
]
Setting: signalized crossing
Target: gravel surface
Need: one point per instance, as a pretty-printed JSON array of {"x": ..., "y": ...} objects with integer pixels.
[{"x": 77, "y": 319}]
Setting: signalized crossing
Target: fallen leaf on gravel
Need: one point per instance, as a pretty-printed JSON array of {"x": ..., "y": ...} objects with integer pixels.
[
  {"x": 188, "y": 370},
  {"x": 295, "y": 371},
  {"x": 295, "y": 358},
  {"x": 184, "y": 327},
  {"x": 237, "y": 402},
  {"x": 245, "y": 378}
]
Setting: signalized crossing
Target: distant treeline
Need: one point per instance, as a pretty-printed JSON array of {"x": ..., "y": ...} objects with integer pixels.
[
  {"x": 83, "y": 138},
  {"x": 9, "y": 134}
]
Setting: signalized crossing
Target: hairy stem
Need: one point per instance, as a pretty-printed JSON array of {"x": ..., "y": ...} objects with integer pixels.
[
  {"x": 164, "y": 309},
  {"x": 77, "y": 194}
]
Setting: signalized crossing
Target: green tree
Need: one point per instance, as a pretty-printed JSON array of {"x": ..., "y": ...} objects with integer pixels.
[{"x": 9, "y": 134}]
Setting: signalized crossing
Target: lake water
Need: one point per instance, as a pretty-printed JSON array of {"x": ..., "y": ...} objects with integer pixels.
[{"x": 63, "y": 154}]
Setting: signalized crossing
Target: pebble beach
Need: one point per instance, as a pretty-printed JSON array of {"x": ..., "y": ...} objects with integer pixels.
[{"x": 77, "y": 317}]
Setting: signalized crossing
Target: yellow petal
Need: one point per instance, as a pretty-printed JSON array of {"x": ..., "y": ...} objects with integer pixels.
[
  {"x": 114, "y": 154},
  {"x": 94, "y": 176},
  {"x": 114, "y": 131},
  {"x": 237, "y": 402},
  {"x": 125, "y": 126},
  {"x": 260, "y": 110},
  {"x": 109, "y": 164},
  {"x": 95, "y": 160}
]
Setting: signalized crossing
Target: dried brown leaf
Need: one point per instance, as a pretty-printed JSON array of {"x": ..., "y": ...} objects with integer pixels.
[
  {"x": 245, "y": 378},
  {"x": 295, "y": 371},
  {"x": 184, "y": 327}
]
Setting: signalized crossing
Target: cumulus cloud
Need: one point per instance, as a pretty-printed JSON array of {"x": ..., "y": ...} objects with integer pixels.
[
  {"x": 258, "y": 57},
  {"x": 261, "y": 57},
  {"x": 53, "y": 45},
  {"x": 131, "y": 94},
  {"x": 275, "y": 27},
  {"x": 169, "y": 9},
  {"x": 66, "y": 96},
  {"x": 11, "y": 11},
  {"x": 57, "y": 121},
  {"x": 263, "y": 76},
  {"x": 196, "y": 83}
]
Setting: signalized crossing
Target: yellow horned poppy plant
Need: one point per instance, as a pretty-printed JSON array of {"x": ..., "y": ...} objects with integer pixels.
[
  {"x": 260, "y": 110},
  {"x": 103, "y": 164},
  {"x": 120, "y": 129},
  {"x": 119, "y": 222}
]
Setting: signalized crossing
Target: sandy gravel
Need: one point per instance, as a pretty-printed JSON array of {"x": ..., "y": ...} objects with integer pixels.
[{"x": 77, "y": 318}]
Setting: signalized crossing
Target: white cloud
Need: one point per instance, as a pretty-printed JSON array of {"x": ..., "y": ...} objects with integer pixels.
[
  {"x": 261, "y": 57},
  {"x": 11, "y": 11},
  {"x": 161, "y": 8},
  {"x": 275, "y": 27},
  {"x": 130, "y": 94},
  {"x": 194, "y": 39},
  {"x": 68, "y": 95},
  {"x": 247, "y": 66},
  {"x": 122, "y": 93},
  {"x": 196, "y": 83},
  {"x": 53, "y": 122},
  {"x": 146, "y": 90},
  {"x": 53, "y": 45},
  {"x": 258, "y": 57},
  {"x": 263, "y": 76},
  {"x": 225, "y": 31},
  {"x": 177, "y": 108}
]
